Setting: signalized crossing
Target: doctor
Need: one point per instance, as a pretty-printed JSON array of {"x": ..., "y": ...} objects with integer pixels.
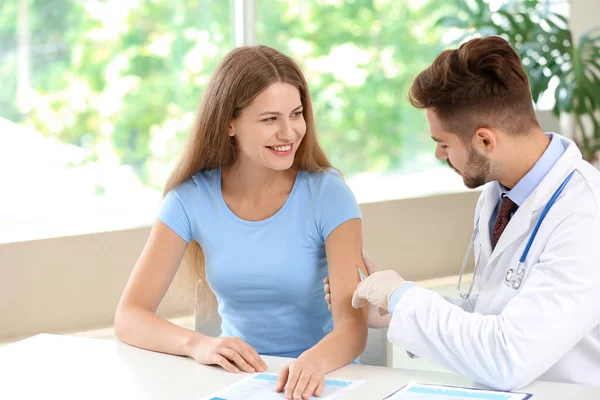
[{"x": 536, "y": 311}]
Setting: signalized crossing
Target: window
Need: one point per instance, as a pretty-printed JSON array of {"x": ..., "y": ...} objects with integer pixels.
[
  {"x": 360, "y": 58},
  {"x": 98, "y": 97}
]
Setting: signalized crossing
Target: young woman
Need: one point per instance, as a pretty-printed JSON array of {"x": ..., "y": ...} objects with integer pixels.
[{"x": 263, "y": 217}]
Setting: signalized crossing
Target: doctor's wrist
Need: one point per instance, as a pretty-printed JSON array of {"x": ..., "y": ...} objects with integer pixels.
[{"x": 397, "y": 294}]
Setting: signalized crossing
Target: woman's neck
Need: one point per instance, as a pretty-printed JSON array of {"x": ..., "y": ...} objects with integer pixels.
[{"x": 253, "y": 183}]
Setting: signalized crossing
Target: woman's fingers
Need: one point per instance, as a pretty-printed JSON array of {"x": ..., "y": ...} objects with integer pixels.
[
  {"x": 282, "y": 378},
  {"x": 227, "y": 366},
  {"x": 234, "y": 356},
  {"x": 253, "y": 353},
  {"x": 250, "y": 355},
  {"x": 320, "y": 387},
  {"x": 301, "y": 386},
  {"x": 311, "y": 387},
  {"x": 292, "y": 381}
]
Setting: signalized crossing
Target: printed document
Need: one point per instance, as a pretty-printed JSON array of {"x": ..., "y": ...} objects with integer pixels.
[
  {"x": 415, "y": 391},
  {"x": 262, "y": 387}
]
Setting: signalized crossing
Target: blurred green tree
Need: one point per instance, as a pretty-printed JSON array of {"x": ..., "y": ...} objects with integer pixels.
[
  {"x": 360, "y": 58},
  {"x": 123, "y": 79}
]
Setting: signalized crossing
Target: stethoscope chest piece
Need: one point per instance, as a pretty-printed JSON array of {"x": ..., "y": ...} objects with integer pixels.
[{"x": 514, "y": 278}]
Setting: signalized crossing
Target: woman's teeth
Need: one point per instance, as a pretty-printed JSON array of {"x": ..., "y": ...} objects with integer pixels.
[{"x": 282, "y": 148}]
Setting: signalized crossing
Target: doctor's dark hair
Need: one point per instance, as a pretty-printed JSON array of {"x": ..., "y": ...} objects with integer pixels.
[
  {"x": 480, "y": 84},
  {"x": 242, "y": 75}
]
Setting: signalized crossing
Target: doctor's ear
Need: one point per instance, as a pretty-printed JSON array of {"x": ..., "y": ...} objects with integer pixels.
[{"x": 485, "y": 140}]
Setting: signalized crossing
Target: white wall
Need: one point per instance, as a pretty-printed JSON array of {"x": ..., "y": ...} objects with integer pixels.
[
  {"x": 68, "y": 284},
  {"x": 584, "y": 14},
  {"x": 74, "y": 283}
]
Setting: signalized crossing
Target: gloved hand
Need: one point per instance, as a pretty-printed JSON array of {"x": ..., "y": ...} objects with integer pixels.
[
  {"x": 377, "y": 289},
  {"x": 377, "y": 319}
]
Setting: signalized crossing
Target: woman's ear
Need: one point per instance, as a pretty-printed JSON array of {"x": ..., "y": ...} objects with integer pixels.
[{"x": 231, "y": 131}]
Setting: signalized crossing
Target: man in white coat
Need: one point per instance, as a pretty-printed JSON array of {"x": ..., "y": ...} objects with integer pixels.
[{"x": 537, "y": 321}]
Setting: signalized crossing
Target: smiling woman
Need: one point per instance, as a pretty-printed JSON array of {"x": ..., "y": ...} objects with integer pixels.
[
  {"x": 272, "y": 121},
  {"x": 262, "y": 218}
]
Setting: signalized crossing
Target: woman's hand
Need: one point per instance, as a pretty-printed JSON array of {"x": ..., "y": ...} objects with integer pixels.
[
  {"x": 231, "y": 353},
  {"x": 301, "y": 379}
]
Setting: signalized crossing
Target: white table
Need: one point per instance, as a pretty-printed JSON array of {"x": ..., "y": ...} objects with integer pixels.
[{"x": 63, "y": 367}]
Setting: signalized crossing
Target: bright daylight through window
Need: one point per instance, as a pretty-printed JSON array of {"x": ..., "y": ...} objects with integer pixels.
[{"x": 98, "y": 97}]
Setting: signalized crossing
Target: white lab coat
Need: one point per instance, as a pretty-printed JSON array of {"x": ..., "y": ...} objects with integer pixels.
[{"x": 549, "y": 329}]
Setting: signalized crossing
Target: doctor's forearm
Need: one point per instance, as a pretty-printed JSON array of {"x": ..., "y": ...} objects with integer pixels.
[
  {"x": 489, "y": 349},
  {"x": 342, "y": 346}
]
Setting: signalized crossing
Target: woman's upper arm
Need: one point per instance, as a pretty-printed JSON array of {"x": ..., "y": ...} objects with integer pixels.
[
  {"x": 344, "y": 257},
  {"x": 155, "y": 268}
]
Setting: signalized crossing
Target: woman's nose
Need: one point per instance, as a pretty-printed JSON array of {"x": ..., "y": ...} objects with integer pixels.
[{"x": 286, "y": 132}]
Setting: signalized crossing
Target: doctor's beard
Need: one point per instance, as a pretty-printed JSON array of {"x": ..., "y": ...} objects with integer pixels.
[{"x": 477, "y": 170}]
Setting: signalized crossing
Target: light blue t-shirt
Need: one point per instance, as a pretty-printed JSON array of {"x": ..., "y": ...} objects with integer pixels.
[{"x": 267, "y": 275}]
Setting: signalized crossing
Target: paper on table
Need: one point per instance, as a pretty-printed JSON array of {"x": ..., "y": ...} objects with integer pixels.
[
  {"x": 415, "y": 391},
  {"x": 262, "y": 387}
]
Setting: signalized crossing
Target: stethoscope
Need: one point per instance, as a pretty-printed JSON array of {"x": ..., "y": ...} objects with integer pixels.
[{"x": 513, "y": 277}]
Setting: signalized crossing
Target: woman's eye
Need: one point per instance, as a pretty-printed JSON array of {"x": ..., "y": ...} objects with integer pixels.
[{"x": 270, "y": 119}]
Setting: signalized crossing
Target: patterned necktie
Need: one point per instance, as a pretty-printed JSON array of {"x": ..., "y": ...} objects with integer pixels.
[{"x": 507, "y": 208}]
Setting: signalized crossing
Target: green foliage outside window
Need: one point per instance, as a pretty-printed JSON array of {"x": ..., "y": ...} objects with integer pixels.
[{"x": 123, "y": 79}]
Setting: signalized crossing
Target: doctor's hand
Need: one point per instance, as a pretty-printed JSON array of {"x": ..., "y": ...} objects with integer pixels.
[
  {"x": 375, "y": 320},
  {"x": 301, "y": 379},
  {"x": 377, "y": 289},
  {"x": 231, "y": 353}
]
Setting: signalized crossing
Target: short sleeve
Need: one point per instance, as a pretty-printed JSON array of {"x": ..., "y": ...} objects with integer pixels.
[
  {"x": 337, "y": 203},
  {"x": 173, "y": 214}
]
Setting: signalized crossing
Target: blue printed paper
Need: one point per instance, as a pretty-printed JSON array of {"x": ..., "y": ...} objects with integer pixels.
[{"x": 415, "y": 391}]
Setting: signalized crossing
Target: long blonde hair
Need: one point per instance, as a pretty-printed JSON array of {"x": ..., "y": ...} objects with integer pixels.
[{"x": 243, "y": 74}]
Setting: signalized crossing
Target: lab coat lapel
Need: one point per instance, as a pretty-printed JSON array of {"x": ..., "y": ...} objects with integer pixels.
[
  {"x": 522, "y": 221},
  {"x": 490, "y": 200},
  {"x": 563, "y": 167}
]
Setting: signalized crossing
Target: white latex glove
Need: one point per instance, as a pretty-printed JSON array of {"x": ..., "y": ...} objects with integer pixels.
[
  {"x": 377, "y": 289},
  {"x": 377, "y": 318}
]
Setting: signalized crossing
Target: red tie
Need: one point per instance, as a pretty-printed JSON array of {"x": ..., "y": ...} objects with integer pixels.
[{"x": 507, "y": 208}]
